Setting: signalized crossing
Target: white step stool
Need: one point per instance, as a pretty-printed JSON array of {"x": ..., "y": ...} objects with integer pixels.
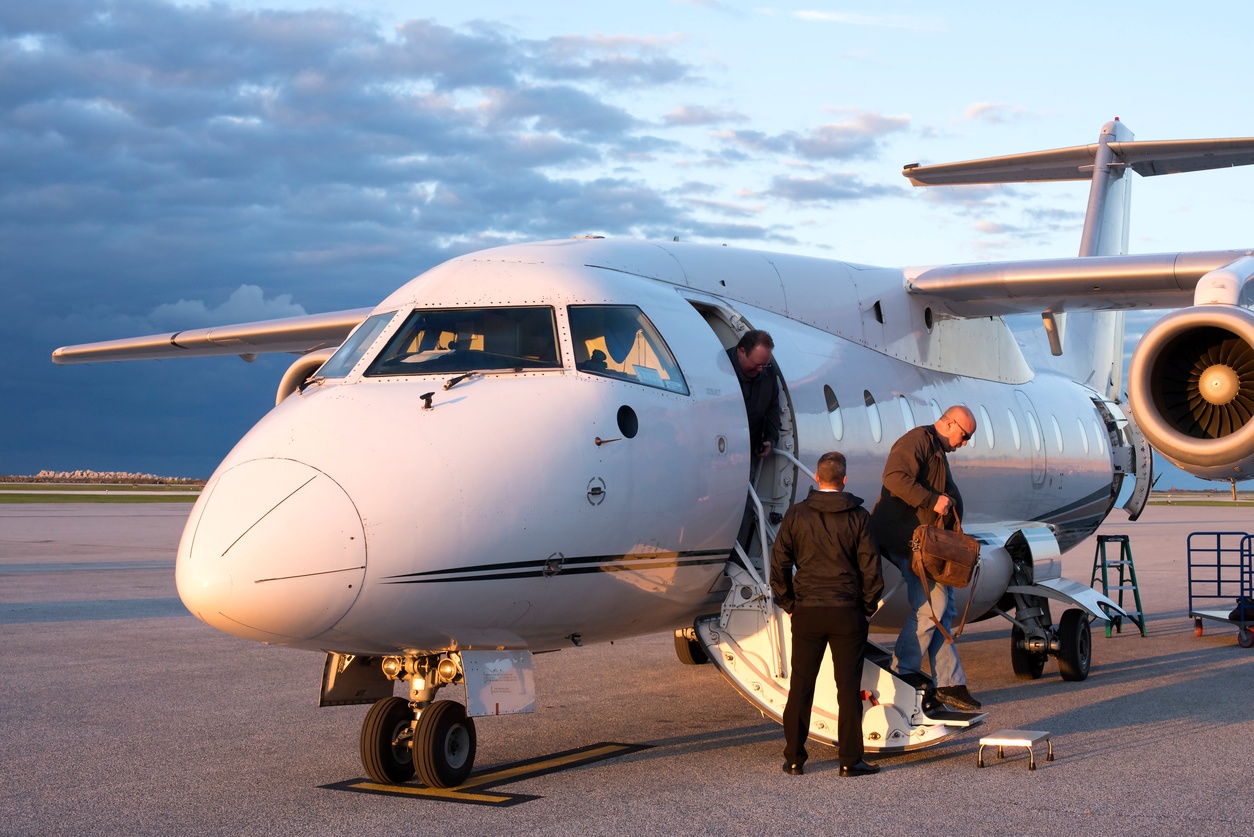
[{"x": 1015, "y": 738}]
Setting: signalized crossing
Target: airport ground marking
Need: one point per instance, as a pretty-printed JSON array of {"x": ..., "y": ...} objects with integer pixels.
[{"x": 476, "y": 790}]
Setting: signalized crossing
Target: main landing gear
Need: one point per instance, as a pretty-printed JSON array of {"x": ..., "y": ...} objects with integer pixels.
[
  {"x": 1071, "y": 642},
  {"x": 1033, "y": 636},
  {"x": 434, "y": 739}
]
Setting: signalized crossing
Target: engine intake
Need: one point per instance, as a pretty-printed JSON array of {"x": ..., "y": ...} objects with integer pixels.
[{"x": 1191, "y": 388}]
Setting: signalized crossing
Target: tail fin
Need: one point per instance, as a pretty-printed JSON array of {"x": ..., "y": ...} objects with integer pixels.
[{"x": 1094, "y": 341}]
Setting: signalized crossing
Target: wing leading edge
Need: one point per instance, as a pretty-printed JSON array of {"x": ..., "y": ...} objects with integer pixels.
[
  {"x": 297, "y": 335},
  {"x": 1088, "y": 283}
]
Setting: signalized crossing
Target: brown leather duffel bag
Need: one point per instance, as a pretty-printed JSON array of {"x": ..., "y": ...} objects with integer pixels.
[{"x": 945, "y": 556}]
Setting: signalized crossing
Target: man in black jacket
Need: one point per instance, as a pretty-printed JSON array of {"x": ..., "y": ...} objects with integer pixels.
[{"x": 835, "y": 590}]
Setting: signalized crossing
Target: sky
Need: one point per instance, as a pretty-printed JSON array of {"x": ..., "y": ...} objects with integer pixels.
[{"x": 166, "y": 166}]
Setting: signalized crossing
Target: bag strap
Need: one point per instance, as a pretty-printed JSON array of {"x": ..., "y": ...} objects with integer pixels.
[{"x": 923, "y": 577}]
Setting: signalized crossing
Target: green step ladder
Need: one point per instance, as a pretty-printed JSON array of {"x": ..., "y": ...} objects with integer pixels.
[{"x": 1102, "y": 566}]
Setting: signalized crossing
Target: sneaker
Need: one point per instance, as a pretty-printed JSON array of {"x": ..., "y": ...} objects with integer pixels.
[{"x": 958, "y": 697}]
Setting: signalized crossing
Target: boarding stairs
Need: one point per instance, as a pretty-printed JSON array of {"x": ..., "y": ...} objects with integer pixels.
[{"x": 750, "y": 641}]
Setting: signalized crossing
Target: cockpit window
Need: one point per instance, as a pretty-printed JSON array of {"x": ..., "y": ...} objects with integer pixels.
[
  {"x": 442, "y": 340},
  {"x": 618, "y": 341},
  {"x": 347, "y": 355}
]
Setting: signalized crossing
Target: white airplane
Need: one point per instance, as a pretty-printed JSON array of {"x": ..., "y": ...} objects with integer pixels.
[{"x": 540, "y": 446}]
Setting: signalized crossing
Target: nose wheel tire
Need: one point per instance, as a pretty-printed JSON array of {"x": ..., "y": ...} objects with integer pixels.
[
  {"x": 1075, "y": 645},
  {"x": 443, "y": 748},
  {"x": 385, "y": 741}
]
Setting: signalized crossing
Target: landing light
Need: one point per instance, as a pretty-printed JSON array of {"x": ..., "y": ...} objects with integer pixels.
[{"x": 446, "y": 670}]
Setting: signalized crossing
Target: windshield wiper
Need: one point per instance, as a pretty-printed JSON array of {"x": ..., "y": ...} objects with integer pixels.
[{"x": 452, "y": 382}]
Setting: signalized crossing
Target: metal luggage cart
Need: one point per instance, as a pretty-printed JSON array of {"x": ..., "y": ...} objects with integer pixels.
[{"x": 1219, "y": 574}]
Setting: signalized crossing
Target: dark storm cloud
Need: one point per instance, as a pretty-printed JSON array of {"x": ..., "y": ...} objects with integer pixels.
[
  {"x": 166, "y": 167},
  {"x": 191, "y": 148}
]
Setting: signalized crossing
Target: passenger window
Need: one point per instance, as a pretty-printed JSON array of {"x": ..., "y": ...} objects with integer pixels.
[
  {"x": 1036, "y": 431},
  {"x": 986, "y": 424},
  {"x": 833, "y": 413},
  {"x": 1014, "y": 429},
  {"x": 873, "y": 416},
  {"x": 347, "y": 355},
  {"x": 443, "y": 340},
  {"x": 618, "y": 341},
  {"x": 907, "y": 415}
]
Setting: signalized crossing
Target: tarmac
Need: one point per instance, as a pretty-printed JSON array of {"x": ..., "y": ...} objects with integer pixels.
[{"x": 122, "y": 714}]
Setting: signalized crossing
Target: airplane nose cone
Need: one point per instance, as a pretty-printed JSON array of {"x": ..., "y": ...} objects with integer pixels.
[{"x": 276, "y": 552}]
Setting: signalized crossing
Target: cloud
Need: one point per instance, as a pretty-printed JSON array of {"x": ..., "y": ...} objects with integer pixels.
[
  {"x": 827, "y": 189},
  {"x": 685, "y": 115},
  {"x": 247, "y": 303},
  {"x": 860, "y": 136},
  {"x": 991, "y": 113}
]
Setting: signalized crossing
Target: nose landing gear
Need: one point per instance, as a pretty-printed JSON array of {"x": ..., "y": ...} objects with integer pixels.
[{"x": 434, "y": 739}]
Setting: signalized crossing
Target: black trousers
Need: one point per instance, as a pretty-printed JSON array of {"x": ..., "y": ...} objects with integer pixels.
[{"x": 814, "y": 630}]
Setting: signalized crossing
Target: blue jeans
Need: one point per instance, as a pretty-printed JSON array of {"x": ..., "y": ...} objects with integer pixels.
[{"x": 919, "y": 632}]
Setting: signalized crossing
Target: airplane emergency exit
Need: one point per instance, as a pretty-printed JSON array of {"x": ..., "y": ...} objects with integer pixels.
[{"x": 540, "y": 446}]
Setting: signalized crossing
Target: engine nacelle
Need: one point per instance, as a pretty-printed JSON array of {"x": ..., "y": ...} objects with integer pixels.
[{"x": 1191, "y": 389}]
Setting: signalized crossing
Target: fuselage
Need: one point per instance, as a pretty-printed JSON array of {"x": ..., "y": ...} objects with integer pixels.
[{"x": 546, "y": 444}]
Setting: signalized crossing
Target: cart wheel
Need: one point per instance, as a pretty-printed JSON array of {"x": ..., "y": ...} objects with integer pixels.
[
  {"x": 1245, "y": 638},
  {"x": 1197, "y": 627}
]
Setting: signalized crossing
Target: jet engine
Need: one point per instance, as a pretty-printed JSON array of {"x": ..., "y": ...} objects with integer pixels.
[{"x": 1191, "y": 389}]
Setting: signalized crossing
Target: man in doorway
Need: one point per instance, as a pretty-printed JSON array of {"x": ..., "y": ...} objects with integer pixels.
[
  {"x": 919, "y": 488},
  {"x": 830, "y": 599},
  {"x": 751, "y": 358}
]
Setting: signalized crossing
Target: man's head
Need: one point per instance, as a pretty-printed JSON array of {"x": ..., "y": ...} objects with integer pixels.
[
  {"x": 955, "y": 427},
  {"x": 831, "y": 470},
  {"x": 753, "y": 352}
]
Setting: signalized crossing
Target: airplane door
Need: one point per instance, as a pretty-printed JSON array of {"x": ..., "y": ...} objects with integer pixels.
[
  {"x": 773, "y": 479},
  {"x": 1036, "y": 440}
]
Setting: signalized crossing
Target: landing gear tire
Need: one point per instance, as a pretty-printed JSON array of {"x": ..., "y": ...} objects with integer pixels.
[
  {"x": 1245, "y": 638},
  {"x": 1075, "y": 645},
  {"x": 385, "y": 741},
  {"x": 1028, "y": 665},
  {"x": 689, "y": 651},
  {"x": 443, "y": 746}
]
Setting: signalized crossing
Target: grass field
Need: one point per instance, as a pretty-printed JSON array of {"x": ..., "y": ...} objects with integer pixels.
[{"x": 29, "y": 492}]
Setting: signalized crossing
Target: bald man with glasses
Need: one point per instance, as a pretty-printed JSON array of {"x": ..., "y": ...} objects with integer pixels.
[{"x": 919, "y": 488}]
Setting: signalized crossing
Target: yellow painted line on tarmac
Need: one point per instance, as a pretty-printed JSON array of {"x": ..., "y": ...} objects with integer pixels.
[{"x": 472, "y": 791}]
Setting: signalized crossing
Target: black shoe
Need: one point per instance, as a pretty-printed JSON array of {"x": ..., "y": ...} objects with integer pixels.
[
  {"x": 859, "y": 769},
  {"x": 793, "y": 768},
  {"x": 958, "y": 697}
]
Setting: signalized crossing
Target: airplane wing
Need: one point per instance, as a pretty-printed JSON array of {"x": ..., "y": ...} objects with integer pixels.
[
  {"x": 297, "y": 335},
  {"x": 1090, "y": 283}
]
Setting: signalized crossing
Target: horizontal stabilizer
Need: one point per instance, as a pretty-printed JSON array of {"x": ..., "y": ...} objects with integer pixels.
[
  {"x": 296, "y": 335},
  {"x": 1148, "y": 158}
]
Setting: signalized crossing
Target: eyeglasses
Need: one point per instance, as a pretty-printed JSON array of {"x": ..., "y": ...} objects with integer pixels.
[{"x": 966, "y": 437}]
